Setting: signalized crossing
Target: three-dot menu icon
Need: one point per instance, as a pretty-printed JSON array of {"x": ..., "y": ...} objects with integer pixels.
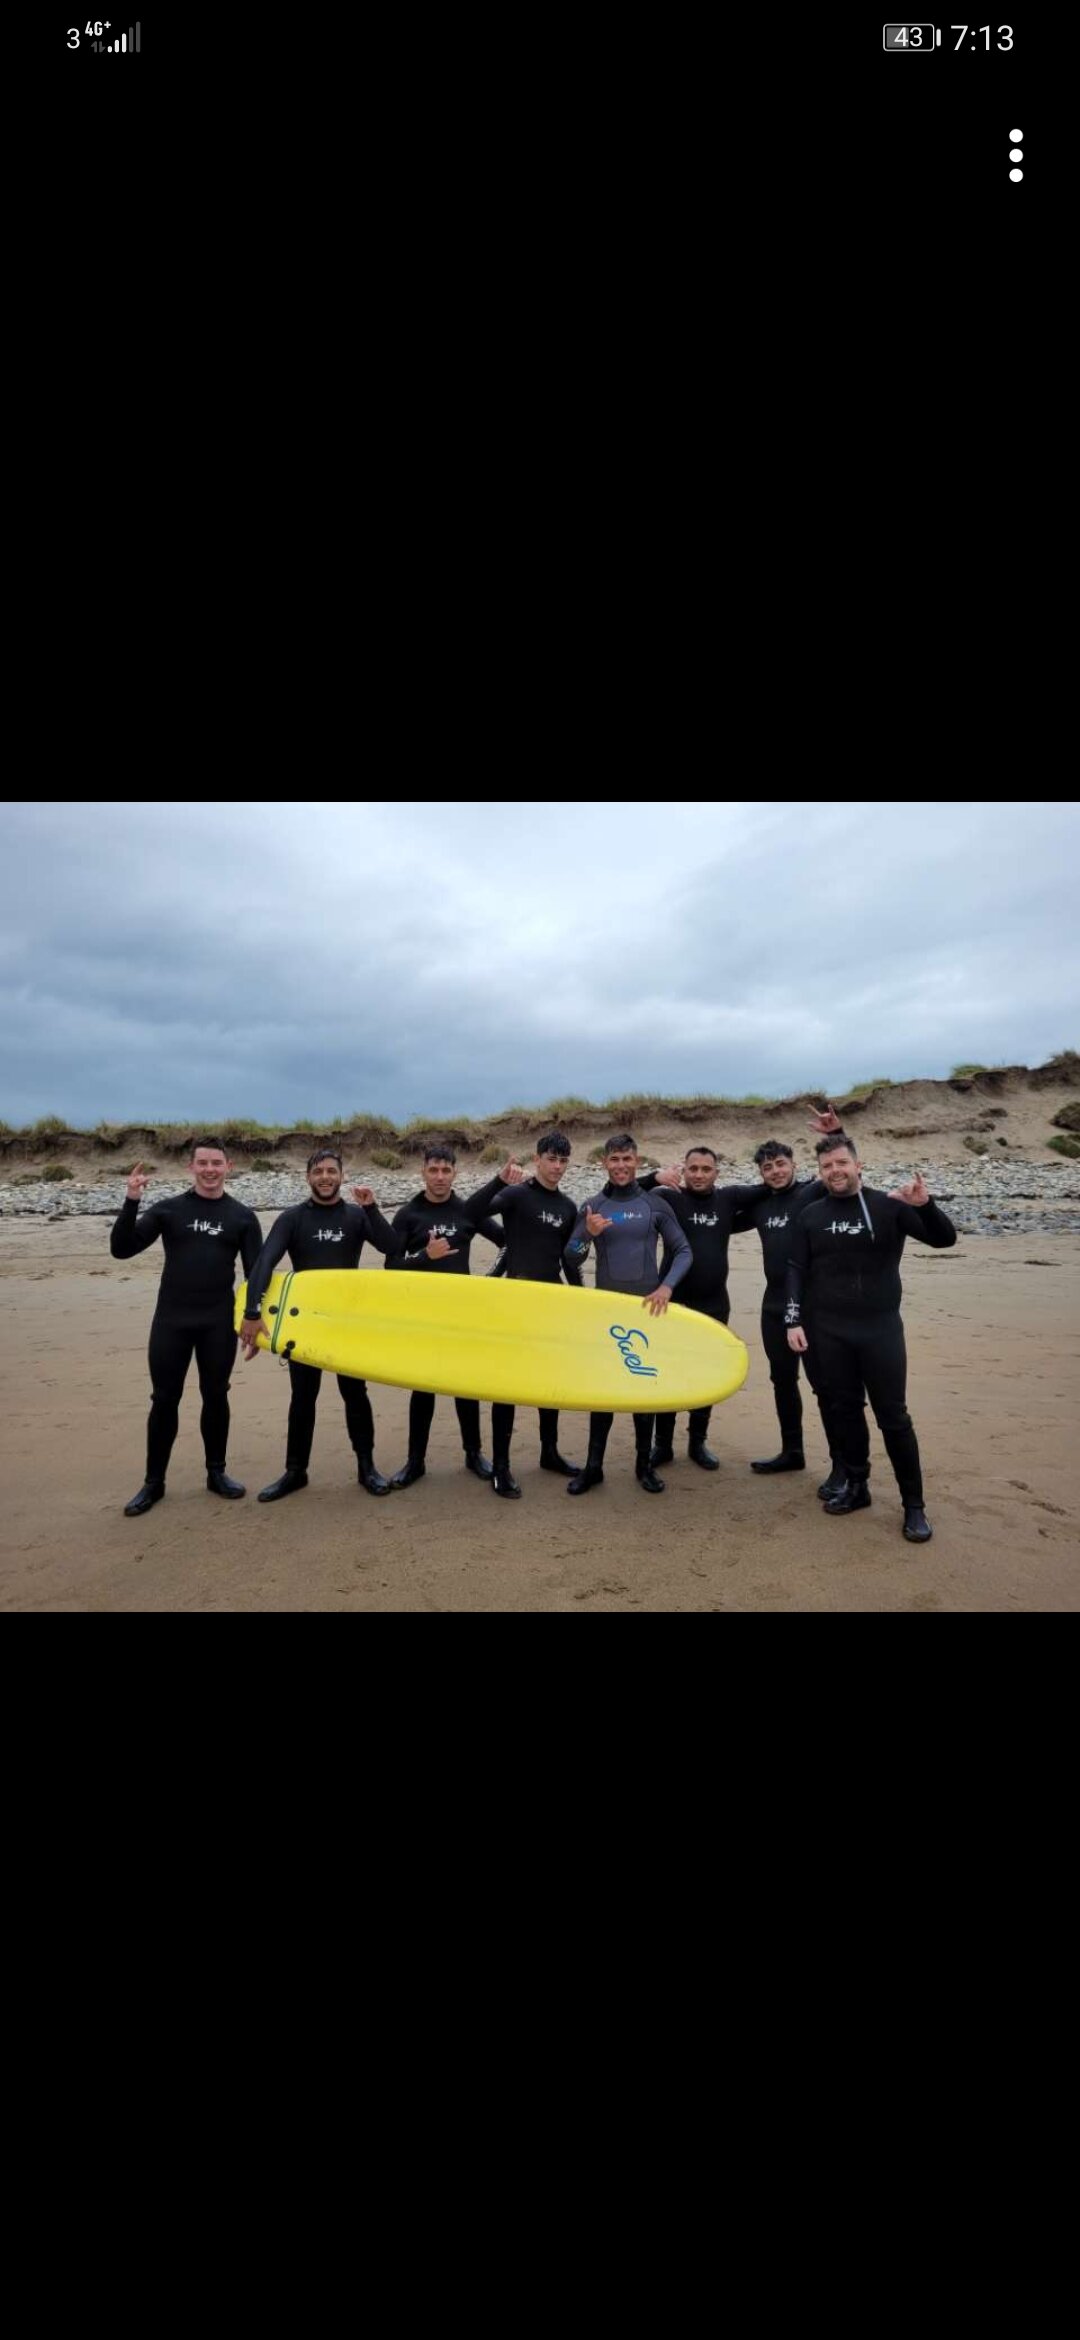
[{"x": 1016, "y": 152}]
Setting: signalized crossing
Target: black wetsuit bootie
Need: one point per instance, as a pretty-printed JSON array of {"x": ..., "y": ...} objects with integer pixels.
[
  {"x": 369, "y": 1477},
  {"x": 591, "y": 1476},
  {"x": 503, "y": 1481},
  {"x": 410, "y": 1472},
  {"x": 552, "y": 1460},
  {"x": 854, "y": 1495},
  {"x": 291, "y": 1479},
  {"x": 791, "y": 1459},
  {"x": 477, "y": 1463},
  {"x": 219, "y": 1483},
  {"x": 834, "y": 1482},
  {"x": 702, "y": 1455},
  {"x": 646, "y": 1477},
  {"x": 147, "y": 1496},
  {"x": 661, "y": 1454},
  {"x": 917, "y": 1527}
]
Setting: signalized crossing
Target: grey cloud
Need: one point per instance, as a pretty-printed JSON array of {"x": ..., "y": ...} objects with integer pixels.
[{"x": 189, "y": 958}]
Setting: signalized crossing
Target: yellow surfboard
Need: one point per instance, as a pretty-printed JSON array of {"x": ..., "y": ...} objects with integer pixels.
[{"x": 515, "y": 1342}]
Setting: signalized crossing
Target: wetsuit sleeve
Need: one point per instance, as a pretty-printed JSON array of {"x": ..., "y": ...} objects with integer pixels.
[
  {"x": 928, "y": 1225},
  {"x": 741, "y": 1201},
  {"x": 400, "y": 1224},
  {"x": 484, "y": 1200},
  {"x": 795, "y": 1281},
  {"x": 274, "y": 1248},
  {"x": 573, "y": 1258},
  {"x": 379, "y": 1232},
  {"x": 677, "y": 1252},
  {"x": 408, "y": 1235},
  {"x": 131, "y": 1234},
  {"x": 250, "y": 1243},
  {"x": 494, "y": 1230},
  {"x": 578, "y": 1244}
]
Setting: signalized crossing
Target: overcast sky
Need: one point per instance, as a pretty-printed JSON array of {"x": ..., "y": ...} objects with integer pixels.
[{"x": 307, "y": 960}]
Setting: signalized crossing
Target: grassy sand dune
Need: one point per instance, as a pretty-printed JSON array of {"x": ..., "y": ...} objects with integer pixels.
[{"x": 1034, "y": 1111}]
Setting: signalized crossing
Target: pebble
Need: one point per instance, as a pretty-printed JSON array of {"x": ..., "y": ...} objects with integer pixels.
[{"x": 982, "y": 1197}]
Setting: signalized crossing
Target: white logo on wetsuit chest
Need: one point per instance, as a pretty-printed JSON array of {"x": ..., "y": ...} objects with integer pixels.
[
  {"x": 548, "y": 1219},
  {"x": 777, "y": 1222},
  {"x": 205, "y": 1227},
  {"x": 699, "y": 1219},
  {"x": 843, "y": 1227},
  {"x": 447, "y": 1231},
  {"x": 329, "y": 1234}
]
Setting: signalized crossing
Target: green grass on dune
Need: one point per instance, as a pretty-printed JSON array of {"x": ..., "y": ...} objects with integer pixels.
[{"x": 482, "y": 1135}]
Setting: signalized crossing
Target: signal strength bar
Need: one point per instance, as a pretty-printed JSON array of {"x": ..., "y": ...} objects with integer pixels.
[{"x": 130, "y": 42}]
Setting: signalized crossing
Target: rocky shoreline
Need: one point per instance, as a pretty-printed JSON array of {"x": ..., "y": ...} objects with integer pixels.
[{"x": 983, "y": 1198}]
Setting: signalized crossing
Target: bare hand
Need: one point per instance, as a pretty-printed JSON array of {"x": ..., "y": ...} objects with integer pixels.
[
  {"x": 597, "y": 1224},
  {"x": 138, "y": 1181},
  {"x": 671, "y": 1175},
  {"x": 363, "y": 1194},
  {"x": 439, "y": 1248},
  {"x": 827, "y": 1122},
  {"x": 657, "y": 1301},
  {"x": 916, "y": 1192},
  {"x": 512, "y": 1173},
  {"x": 797, "y": 1339},
  {"x": 249, "y": 1334}
]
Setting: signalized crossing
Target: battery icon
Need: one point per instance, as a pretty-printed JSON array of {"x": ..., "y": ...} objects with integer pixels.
[{"x": 915, "y": 40}]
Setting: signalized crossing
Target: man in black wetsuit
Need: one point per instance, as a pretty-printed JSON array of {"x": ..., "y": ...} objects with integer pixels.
[
  {"x": 845, "y": 1257},
  {"x": 438, "y": 1234},
  {"x": 774, "y": 1209},
  {"x": 624, "y": 1225},
  {"x": 539, "y": 1224},
  {"x": 323, "y": 1232},
  {"x": 202, "y": 1231},
  {"x": 709, "y": 1215}
]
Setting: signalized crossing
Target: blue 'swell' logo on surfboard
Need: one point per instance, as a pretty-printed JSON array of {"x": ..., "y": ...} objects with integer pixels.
[{"x": 623, "y": 1340}]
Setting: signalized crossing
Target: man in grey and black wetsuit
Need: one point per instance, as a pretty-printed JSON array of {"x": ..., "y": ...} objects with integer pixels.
[{"x": 625, "y": 1225}]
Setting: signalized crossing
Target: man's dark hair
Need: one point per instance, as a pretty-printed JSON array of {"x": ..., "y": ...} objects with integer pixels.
[
  {"x": 771, "y": 1148},
  {"x": 438, "y": 1151},
  {"x": 622, "y": 1144},
  {"x": 325, "y": 1154},
  {"x": 213, "y": 1145},
  {"x": 701, "y": 1150},
  {"x": 553, "y": 1142},
  {"x": 832, "y": 1144}
]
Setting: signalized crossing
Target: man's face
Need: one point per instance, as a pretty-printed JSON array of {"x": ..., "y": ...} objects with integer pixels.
[
  {"x": 840, "y": 1171},
  {"x": 438, "y": 1180},
  {"x": 622, "y": 1166},
  {"x": 209, "y": 1169},
  {"x": 324, "y": 1179},
  {"x": 778, "y": 1170},
  {"x": 699, "y": 1171},
  {"x": 550, "y": 1168}
]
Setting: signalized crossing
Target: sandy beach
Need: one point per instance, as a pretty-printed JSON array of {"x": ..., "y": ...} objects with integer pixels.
[{"x": 993, "y": 1388}]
